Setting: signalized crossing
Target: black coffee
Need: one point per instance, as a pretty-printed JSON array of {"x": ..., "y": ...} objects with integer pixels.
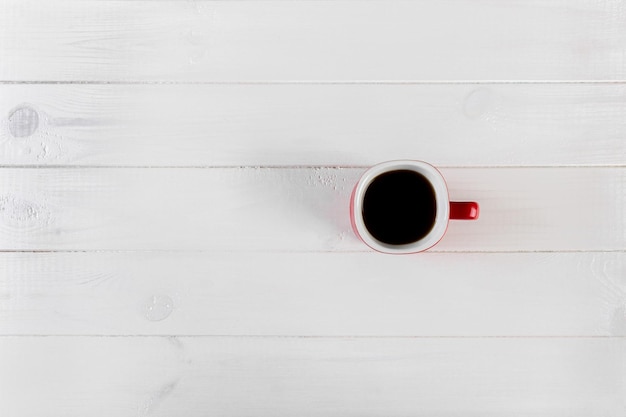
[{"x": 399, "y": 207}]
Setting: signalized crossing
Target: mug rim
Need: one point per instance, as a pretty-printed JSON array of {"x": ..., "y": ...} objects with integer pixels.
[{"x": 442, "y": 200}]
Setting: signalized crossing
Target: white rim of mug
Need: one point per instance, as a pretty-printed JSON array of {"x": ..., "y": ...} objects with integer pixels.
[{"x": 442, "y": 199}]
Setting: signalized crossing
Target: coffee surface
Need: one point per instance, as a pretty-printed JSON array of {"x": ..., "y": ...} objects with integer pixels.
[{"x": 399, "y": 207}]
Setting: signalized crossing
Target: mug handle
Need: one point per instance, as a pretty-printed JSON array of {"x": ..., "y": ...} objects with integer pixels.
[{"x": 463, "y": 210}]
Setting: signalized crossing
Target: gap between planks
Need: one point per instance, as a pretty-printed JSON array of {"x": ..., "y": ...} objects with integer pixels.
[
  {"x": 320, "y": 82},
  {"x": 284, "y": 251},
  {"x": 299, "y": 166},
  {"x": 322, "y": 337}
]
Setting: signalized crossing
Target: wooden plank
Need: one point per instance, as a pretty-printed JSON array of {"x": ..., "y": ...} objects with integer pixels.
[
  {"x": 355, "y": 294},
  {"x": 222, "y": 125},
  {"x": 295, "y": 209},
  {"x": 76, "y": 40},
  {"x": 315, "y": 377}
]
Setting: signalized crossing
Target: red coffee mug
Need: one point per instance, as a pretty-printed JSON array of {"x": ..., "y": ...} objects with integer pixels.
[{"x": 442, "y": 211}]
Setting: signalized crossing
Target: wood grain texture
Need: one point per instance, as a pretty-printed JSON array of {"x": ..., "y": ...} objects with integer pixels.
[
  {"x": 168, "y": 376},
  {"x": 174, "y": 231},
  {"x": 312, "y": 40},
  {"x": 357, "y": 294},
  {"x": 234, "y": 125},
  {"x": 296, "y": 209}
]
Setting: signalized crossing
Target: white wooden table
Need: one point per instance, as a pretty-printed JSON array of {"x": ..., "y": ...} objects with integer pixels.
[{"x": 174, "y": 188}]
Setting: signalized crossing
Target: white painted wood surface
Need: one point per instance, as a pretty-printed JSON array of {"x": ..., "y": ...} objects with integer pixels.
[
  {"x": 174, "y": 232},
  {"x": 296, "y": 209},
  {"x": 314, "y": 294},
  {"x": 311, "y": 124},
  {"x": 75, "y": 40},
  {"x": 168, "y": 376}
]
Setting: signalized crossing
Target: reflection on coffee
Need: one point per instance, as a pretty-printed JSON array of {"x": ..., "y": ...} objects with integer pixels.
[{"x": 399, "y": 207}]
